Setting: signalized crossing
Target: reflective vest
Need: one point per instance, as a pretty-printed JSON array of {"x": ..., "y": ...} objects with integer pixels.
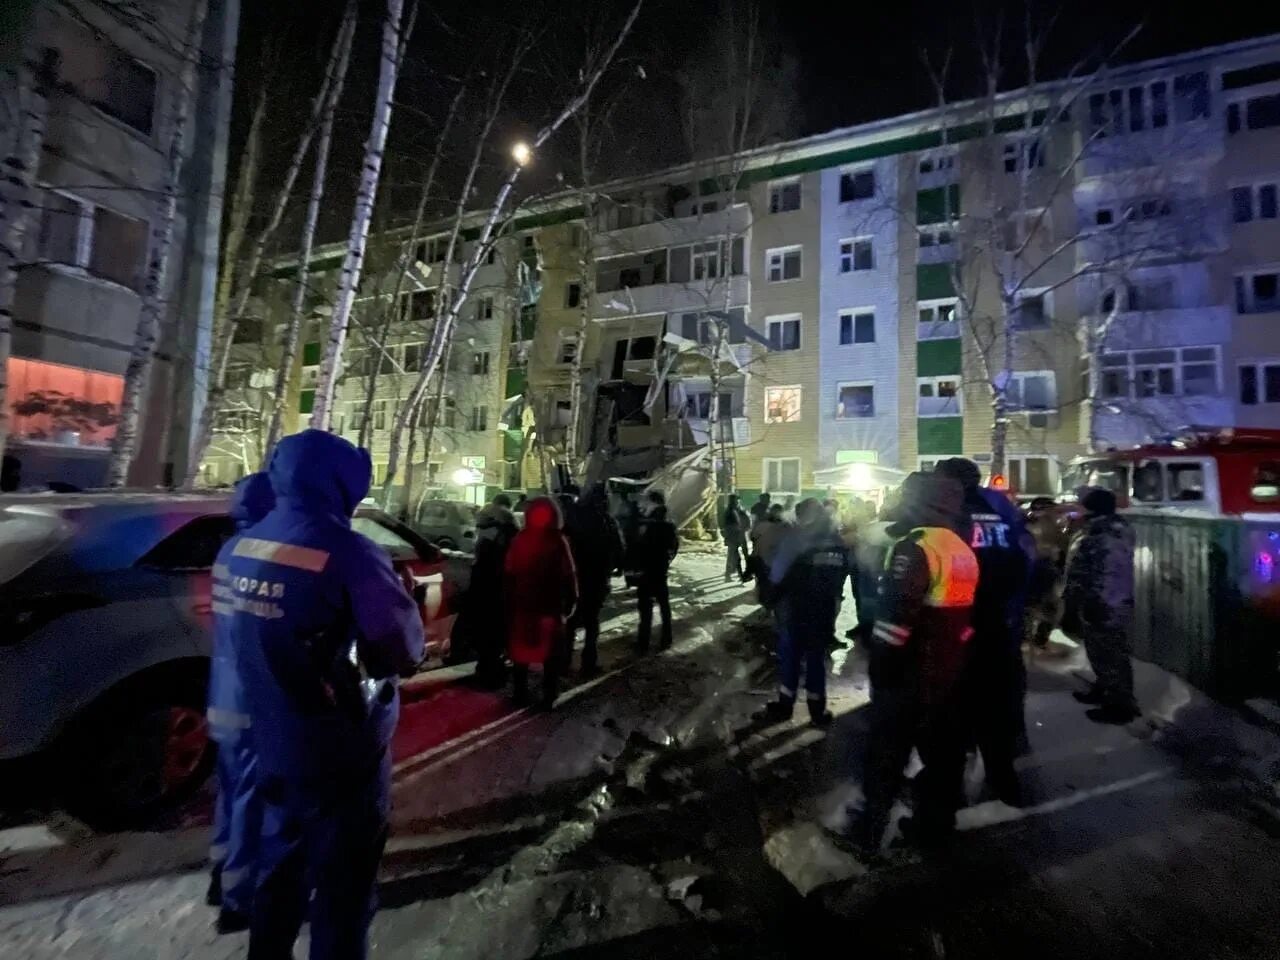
[{"x": 953, "y": 569}]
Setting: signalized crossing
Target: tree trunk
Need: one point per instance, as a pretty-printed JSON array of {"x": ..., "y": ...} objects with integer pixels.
[
  {"x": 241, "y": 207},
  {"x": 16, "y": 181},
  {"x": 444, "y": 325},
  {"x": 155, "y": 286},
  {"x": 224, "y": 334},
  {"x": 358, "y": 237},
  {"x": 293, "y": 332}
]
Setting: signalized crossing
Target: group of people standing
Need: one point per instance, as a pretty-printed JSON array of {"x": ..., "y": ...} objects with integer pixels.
[
  {"x": 533, "y": 588},
  {"x": 941, "y": 585}
]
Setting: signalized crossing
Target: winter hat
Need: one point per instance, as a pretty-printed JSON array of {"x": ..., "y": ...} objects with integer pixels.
[
  {"x": 958, "y": 468},
  {"x": 1098, "y": 500}
]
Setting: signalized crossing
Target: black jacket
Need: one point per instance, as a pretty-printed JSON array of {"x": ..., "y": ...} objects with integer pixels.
[{"x": 657, "y": 544}]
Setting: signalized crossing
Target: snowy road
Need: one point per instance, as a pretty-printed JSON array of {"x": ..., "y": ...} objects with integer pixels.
[{"x": 647, "y": 817}]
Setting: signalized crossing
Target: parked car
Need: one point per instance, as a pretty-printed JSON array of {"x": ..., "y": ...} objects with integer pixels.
[
  {"x": 105, "y": 636},
  {"x": 450, "y": 524}
]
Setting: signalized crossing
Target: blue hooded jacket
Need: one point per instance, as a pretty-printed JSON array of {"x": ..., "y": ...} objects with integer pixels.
[
  {"x": 251, "y": 500},
  {"x": 320, "y": 622}
]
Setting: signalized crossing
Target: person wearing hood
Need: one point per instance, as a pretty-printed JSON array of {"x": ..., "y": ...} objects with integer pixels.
[
  {"x": 657, "y": 544},
  {"x": 916, "y": 655},
  {"x": 806, "y": 577},
  {"x": 321, "y": 626},
  {"x": 481, "y": 620},
  {"x": 1098, "y": 605},
  {"x": 237, "y": 812},
  {"x": 596, "y": 543},
  {"x": 995, "y": 676},
  {"x": 734, "y": 527},
  {"x": 540, "y": 591}
]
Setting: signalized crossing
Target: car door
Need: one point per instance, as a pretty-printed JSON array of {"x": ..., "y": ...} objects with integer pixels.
[{"x": 185, "y": 560}]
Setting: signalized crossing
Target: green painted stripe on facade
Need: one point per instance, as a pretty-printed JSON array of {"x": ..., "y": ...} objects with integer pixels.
[
  {"x": 938, "y": 358},
  {"x": 517, "y": 379},
  {"x": 512, "y": 444},
  {"x": 935, "y": 206},
  {"x": 311, "y": 353},
  {"x": 940, "y": 435},
  {"x": 306, "y": 401},
  {"x": 933, "y": 281}
]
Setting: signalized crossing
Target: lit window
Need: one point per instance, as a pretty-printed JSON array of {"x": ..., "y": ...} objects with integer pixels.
[{"x": 781, "y": 404}]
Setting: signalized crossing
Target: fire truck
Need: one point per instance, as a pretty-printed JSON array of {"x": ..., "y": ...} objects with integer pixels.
[{"x": 1208, "y": 471}]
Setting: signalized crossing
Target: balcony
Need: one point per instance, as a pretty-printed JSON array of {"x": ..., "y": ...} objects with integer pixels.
[
  {"x": 1200, "y": 141},
  {"x": 663, "y": 298},
  {"x": 686, "y": 434},
  {"x": 734, "y": 221},
  {"x": 1172, "y": 327}
]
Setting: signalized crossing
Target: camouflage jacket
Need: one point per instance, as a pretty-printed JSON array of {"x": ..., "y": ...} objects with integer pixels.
[{"x": 1099, "y": 587}]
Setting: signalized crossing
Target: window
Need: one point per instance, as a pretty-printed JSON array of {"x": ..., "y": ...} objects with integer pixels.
[
  {"x": 706, "y": 261},
  {"x": 480, "y": 363},
  {"x": 484, "y": 308},
  {"x": 855, "y": 401},
  {"x": 1155, "y": 373},
  {"x": 102, "y": 242},
  {"x": 1258, "y": 292},
  {"x": 1151, "y": 294},
  {"x": 1266, "y": 481},
  {"x": 448, "y": 412},
  {"x": 783, "y": 264},
  {"x": 781, "y": 404},
  {"x": 433, "y": 250},
  {"x": 784, "y": 196},
  {"x": 1254, "y": 113},
  {"x": 104, "y": 75},
  {"x": 703, "y": 329},
  {"x": 1104, "y": 216},
  {"x": 422, "y": 305},
  {"x": 479, "y": 418},
  {"x": 563, "y": 415},
  {"x": 491, "y": 255},
  {"x": 1259, "y": 383},
  {"x": 939, "y": 311},
  {"x": 936, "y": 234},
  {"x": 572, "y": 295},
  {"x": 1023, "y": 155},
  {"x": 857, "y": 185},
  {"x": 783, "y": 332},
  {"x": 856, "y": 255},
  {"x": 1114, "y": 113},
  {"x": 575, "y": 237},
  {"x": 1253, "y": 202},
  {"x": 938, "y": 397},
  {"x": 413, "y": 354},
  {"x": 937, "y": 162},
  {"x": 1191, "y": 96},
  {"x": 781, "y": 475},
  {"x": 857, "y": 326},
  {"x": 193, "y": 546},
  {"x": 1034, "y": 390},
  {"x": 698, "y": 405},
  {"x": 568, "y": 349},
  {"x": 632, "y": 270},
  {"x": 1183, "y": 371},
  {"x": 1035, "y": 309},
  {"x": 1030, "y": 475}
]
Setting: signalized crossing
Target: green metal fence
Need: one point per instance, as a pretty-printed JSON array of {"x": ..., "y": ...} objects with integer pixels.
[{"x": 1207, "y": 601}]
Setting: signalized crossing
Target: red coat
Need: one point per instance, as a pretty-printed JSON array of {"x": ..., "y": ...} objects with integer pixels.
[{"x": 541, "y": 585}]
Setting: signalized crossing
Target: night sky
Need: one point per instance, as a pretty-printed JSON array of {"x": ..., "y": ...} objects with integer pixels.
[{"x": 851, "y": 63}]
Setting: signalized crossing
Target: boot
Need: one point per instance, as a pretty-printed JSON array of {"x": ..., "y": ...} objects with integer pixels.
[
  {"x": 1093, "y": 695},
  {"x": 231, "y": 921},
  {"x": 778, "y": 711},
  {"x": 213, "y": 896}
]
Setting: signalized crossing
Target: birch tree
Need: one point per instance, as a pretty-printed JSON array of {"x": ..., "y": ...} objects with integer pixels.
[
  {"x": 155, "y": 282},
  {"x": 293, "y": 327},
  {"x": 1010, "y": 218},
  {"x": 366, "y": 195},
  {"x": 450, "y": 310},
  {"x": 30, "y": 105}
]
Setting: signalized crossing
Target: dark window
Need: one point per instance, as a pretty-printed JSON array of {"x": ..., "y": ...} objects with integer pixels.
[
  {"x": 1267, "y": 201},
  {"x": 1263, "y": 112},
  {"x": 1271, "y": 383},
  {"x": 1249, "y": 386},
  {"x": 857, "y": 328},
  {"x": 859, "y": 401},
  {"x": 857, "y": 186},
  {"x": 1115, "y": 101},
  {"x": 413, "y": 357},
  {"x": 1159, "y": 104},
  {"x": 1233, "y": 118},
  {"x": 1242, "y": 301},
  {"x": 128, "y": 92},
  {"x": 1241, "y": 204},
  {"x": 194, "y": 546},
  {"x": 119, "y": 247},
  {"x": 784, "y": 335},
  {"x": 863, "y": 258},
  {"x": 1104, "y": 216},
  {"x": 784, "y": 197},
  {"x": 643, "y": 348},
  {"x": 1191, "y": 96},
  {"x": 572, "y": 295},
  {"x": 689, "y": 326},
  {"x": 1098, "y": 112},
  {"x": 1265, "y": 290},
  {"x": 422, "y": 305}
]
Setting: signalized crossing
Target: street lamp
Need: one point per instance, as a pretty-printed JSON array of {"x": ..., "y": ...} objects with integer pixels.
[{"x": 522, "y": 153}]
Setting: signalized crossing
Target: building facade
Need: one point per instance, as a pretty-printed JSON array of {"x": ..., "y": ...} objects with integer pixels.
[
  {"x": 114, "y": 79},
  {"x": 1088, "y": 264}
]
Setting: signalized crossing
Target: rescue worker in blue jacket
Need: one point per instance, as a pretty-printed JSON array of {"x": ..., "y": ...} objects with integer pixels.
[
  {"x": 237, "y": 815},
  {"x": 916, "y": 656},
  {"x": 807, "y": 575},
  {"x": 321, "y": 625},
  {"x": 995, "y": 675}
]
